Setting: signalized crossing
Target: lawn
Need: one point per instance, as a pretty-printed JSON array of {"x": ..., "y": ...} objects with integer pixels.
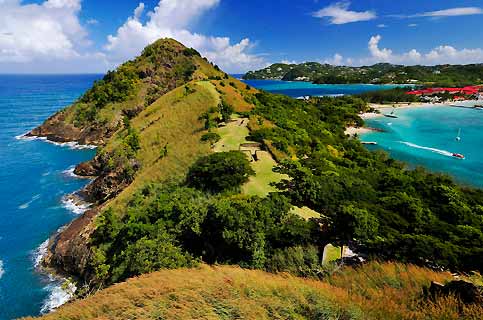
[
  {"x": 232, "y": 135},
  {"x": 259, "y": 185}
]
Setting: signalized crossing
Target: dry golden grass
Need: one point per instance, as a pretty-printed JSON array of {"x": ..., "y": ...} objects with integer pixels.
[
  {"x": 234, "y": 95},
  {"x": 172, "y": 121},
  {"x": 375, "y": 291}
]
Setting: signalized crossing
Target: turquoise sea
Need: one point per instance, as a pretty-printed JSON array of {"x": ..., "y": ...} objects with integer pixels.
[
  {"x": 35, "y": 176},
  {"x": 426, "y": 136},
  {"x": 297, "y": 89}
]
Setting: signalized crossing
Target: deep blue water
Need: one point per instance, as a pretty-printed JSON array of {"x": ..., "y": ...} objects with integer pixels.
[
  {"x": 33, "y": 181},
  {"x": 298, "y": 89},
  {"x": 426, "y": 136}
]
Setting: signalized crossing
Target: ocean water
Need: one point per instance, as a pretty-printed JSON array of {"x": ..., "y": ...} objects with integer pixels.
[
  {"x": 298, "y": 89},
  {"x": 426, "y": 136},
  {"x": 35, "y": 176}
]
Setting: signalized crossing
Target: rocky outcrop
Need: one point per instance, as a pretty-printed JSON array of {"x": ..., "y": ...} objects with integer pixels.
[
  {"x": 57, "y": 129},
  {"x": 465, "y": 290},
  {"x": 69, "y": 251}
]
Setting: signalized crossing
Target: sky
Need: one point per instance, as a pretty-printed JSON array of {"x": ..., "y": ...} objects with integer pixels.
[{"x": 92, "y": 36}]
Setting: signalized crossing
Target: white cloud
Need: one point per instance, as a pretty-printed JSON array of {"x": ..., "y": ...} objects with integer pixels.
[
  {"x": 380, "y": 54},
  {"x": 412, "y": 25},
  {"x": 92, "y": 22},
  {"x": 50, "y": 29},
  {"x": 382, "y": 25},
  {"x": 444, "y": 54},
  {"x": 453, "y": 12},
  {"x": 336, "y": 60},
  {"x": 46, "y": 37},
  {"x": 49, "y": 37},
  {"x": 172, "y": 18},
  {"x": 339, "y": 13},
  {"x": 289, "y": 62}
]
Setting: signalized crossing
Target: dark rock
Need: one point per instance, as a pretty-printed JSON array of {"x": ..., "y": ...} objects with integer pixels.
[
  {"x": 86, "y": 169},
  {"x": 465, "y": 290}
]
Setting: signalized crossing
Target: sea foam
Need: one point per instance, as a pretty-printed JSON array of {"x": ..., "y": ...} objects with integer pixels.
[
  {"x": 439, "y": 151},
  {"x": 2, "y": 270},
  {"x": 59, "y": 289},
  {"x": 71, "y": 145},
  {"x": 75, "y": 204},
  {"x": 27, "y": 204},
  {"x": 60, "y": 292}
]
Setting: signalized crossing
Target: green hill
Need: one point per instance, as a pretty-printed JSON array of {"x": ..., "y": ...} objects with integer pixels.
[{"x": 382, "y": 73}]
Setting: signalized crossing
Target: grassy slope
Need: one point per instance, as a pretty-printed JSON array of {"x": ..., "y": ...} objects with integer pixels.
[
  {"x": 375, "y": 291},
  {"x": 171, "y": 121}
]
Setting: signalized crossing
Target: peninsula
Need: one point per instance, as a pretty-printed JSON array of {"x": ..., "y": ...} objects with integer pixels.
[{"x": 199, "y": 172}]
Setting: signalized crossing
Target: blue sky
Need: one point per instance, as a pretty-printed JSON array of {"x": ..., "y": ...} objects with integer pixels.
[{"x": 72, "y": 36}]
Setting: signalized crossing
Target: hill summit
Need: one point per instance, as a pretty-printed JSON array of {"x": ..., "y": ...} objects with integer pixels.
[{"x": 94, "y": 117}]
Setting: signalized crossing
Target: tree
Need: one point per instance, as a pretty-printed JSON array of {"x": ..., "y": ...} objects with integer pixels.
[{"x": 219, "y": 172}]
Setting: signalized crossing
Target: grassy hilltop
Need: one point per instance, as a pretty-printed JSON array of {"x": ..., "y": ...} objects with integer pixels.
[{"x": 195, "y": 167}]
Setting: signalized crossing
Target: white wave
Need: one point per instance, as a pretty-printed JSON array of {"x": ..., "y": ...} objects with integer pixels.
[
  {"x": 60, "y": 292},
  {"x": 439, "y": 151},
  {"x": 75, "y": 205},
  {"x": 71, "y": 145},
  {"x": 2, "y": 270},
  {"x": 27, "y": 204},
  {"x": 70, "y": 172},
  {"x": 39, "y": 253},
  {"x": 25, "y": 136}
]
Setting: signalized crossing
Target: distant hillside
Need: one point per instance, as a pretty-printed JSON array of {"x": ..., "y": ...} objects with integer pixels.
[
  {"x": 382, "y": 73},
  {"x": 375, "y": 291}
]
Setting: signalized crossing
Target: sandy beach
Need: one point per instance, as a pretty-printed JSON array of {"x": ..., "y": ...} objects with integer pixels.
[{"x": 382, "y": 109}]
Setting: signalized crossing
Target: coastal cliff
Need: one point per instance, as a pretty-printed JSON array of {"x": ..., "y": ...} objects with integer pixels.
[{"x": 107, "y": 116}]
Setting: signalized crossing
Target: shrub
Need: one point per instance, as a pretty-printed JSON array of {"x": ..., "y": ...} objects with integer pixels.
[
  {"x": 211, "y": 137},
  {"x": 219, "y": 172}
]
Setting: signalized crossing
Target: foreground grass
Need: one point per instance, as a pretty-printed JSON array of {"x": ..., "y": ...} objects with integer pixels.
[{"x": 374, "y": 291}]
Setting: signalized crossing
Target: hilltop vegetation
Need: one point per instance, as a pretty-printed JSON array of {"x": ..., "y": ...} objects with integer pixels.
[
  {"x": 375, "y": 291},
  {"x": 441, "y": 75}
]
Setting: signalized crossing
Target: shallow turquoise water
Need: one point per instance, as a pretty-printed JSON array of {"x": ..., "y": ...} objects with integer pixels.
[
  {"x": 298, "y": 89},
  {"x": 426, "y": 136}
]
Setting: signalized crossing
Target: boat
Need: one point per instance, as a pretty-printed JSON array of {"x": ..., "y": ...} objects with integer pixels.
[
  {"x": 458, "y": 137},
  {"x": 458, "y": 155},
  {"x": 391, "y": 115},
  {"x": 369, "y": 142}
]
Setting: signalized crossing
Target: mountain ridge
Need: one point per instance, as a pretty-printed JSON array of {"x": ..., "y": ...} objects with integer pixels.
[{"x": 380, "y": 73}]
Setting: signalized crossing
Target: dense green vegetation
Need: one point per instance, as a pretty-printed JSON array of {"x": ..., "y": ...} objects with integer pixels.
[
  {"x": 441, "y": 75},
  {"x": 395, "y": 95},
  {"x": 169, "y": 227},
  {"x": 368, "y": 198},
  {"x": 220, "y": 172},
  {"x": 365, "y": 198}
]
